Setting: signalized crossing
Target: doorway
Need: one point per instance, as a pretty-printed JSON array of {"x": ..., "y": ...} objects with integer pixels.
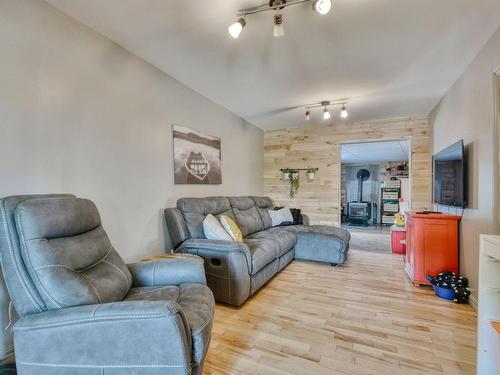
[{"x": 374, "y": 186}]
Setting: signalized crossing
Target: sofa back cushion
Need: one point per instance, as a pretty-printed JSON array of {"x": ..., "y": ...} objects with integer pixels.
[
  {"x": 68, "y": 254},
  {"x": 246, "y": 215},
  {"x": 264, "y": 204},
  {"x": 214, "y": 230},
  {"x": 194, "y": 211}
]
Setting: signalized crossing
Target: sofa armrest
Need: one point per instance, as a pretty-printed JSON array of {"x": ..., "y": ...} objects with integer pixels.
[
  {"x": 110, "y": 337},
  {"x": 177, "y": 270},
  {"x": 216, "y": 246}
]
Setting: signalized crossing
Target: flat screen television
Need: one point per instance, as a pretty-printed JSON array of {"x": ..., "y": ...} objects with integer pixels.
[{"x": 449, "y": 176}]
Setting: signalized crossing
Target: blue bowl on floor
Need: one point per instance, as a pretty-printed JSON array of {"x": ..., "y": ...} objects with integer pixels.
[{"x": 444, "y": 292}]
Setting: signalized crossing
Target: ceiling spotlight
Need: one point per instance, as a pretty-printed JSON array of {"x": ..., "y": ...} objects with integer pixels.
[
  {"x": 308, "y": 115},
  {"x": 322, "y": 6},
  {"x": 326, "y": 114},
  {"x": 235, "y": 28},
  {"x": 278, "y": 29},
  {"x": 344, "y": 113}
]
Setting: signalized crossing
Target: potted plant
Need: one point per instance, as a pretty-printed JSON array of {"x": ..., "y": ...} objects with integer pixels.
[
  {"x": 311, "y": 172},
  {"x": 286, "y": 173}
]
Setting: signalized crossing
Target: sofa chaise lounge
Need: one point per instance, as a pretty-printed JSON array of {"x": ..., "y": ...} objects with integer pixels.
[{"x": 235, "y": 270}]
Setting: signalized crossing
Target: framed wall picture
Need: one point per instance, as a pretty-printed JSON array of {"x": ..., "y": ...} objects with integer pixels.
[{"x": 197, "y": 157}]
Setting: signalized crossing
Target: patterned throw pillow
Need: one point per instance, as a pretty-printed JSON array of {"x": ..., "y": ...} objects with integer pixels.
[
  {"x": 280, "y": 216},
  {"x": 213, "y": 229},
  {"x": 231, "y": 227}
]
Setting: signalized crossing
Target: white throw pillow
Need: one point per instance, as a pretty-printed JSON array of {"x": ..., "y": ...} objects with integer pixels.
[
  {"x": 280, "y": 216},
  {"x": 213, "y": 229}
]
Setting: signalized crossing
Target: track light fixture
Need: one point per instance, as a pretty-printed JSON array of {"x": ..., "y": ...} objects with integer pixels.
[
  {"x": 320, "y": 6},
  {"x": 326, "y": 112},
  {"x": 236, "y": 28},
  {"x": 344, "y": 113},
  {"x": 278, "y": 29}
]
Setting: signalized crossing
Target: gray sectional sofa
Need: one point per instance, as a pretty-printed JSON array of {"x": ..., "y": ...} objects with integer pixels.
[{"x": 235, "y": 271}]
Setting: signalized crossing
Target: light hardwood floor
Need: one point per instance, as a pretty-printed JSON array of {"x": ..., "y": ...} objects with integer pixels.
[{"x": 362, "y": 318}]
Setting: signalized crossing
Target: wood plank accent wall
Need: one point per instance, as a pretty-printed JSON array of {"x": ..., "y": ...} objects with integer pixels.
[{"x": 319, "y": 146}]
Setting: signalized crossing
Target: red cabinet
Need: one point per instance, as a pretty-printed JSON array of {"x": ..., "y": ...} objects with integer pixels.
[{"x": 431, "y": 245}]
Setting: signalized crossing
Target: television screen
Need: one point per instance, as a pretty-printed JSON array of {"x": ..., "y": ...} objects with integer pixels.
[{"x": 449, "y": 176}]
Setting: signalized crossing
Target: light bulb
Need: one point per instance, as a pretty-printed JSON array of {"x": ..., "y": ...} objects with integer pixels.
[
  {"x": 308, "y": 115},
  {"x": 235, "y": 28},
  {"x": 344, "y": 113},
  {"x": 326, "y": 114},
  {"x": 278, "y": 29},
  {"x": 322, "y": 6}
]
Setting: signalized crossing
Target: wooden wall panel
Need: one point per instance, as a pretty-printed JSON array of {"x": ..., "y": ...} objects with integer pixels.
[{"x": 319, "y": 146}]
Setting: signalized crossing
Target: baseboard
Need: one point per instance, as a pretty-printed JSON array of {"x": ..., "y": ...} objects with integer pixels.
[{"x": 473, "y": 303}]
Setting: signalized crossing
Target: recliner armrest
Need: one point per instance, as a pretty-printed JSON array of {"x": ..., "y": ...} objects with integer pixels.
[
  {"x": 223, "y": 247},
  {"x": 180, "y": 269},
  {"x": 227, "y": 266},
  {"x": 109, "y": 337}
]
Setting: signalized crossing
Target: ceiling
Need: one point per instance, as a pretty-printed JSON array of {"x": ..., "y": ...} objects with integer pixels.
[
  {"x": 375, "y": 152},
  {"x": 390, "y": 58}
]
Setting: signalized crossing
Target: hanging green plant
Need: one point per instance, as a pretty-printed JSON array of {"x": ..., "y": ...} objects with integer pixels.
[{"x": 294, "y": 183}]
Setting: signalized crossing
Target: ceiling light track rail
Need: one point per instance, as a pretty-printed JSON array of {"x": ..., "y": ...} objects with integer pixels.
[
  {"x": 327, "y": 104},
  {"x": 326, "y": 113},
  {"x": 320, "y": 6},
  {"x": 268, "y": 7}
]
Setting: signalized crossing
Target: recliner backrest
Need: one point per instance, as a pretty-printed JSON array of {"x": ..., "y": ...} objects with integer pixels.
[
  {"x": 22, "y": 290},
  {"x": 67, "y": 254},
  {"x": 264, "y": 204},
  {"x": 246, "y": 215},
  {"x": 194, "y": 211},
  {"x": 251, "y": 215}
]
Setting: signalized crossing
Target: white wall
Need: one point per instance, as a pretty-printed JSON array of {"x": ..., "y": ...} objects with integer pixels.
[
  {"x": 80, "y": 114},
  {"x": 467, "y": 112}
]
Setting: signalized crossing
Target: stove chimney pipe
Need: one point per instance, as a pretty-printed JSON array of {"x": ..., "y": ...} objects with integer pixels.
[{"x": 362, "y": 175}]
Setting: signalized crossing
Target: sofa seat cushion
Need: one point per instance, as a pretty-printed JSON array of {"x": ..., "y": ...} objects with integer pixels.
[
  {"x": 286, "y": 240},
  {"x": 197, "y": 304},
  {"x": 342, "y": 234},
  {"x": 262, "y": 252}
]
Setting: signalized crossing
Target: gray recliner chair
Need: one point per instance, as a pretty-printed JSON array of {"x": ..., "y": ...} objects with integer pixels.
[{"x": 83, "y": 310}]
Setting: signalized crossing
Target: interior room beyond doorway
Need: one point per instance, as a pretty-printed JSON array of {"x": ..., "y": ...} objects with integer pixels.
[{"x": 375, "y": 186}]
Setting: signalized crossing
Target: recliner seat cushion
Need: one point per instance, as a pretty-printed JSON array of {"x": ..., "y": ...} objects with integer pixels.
[
  {"x": 196, "y": 302},
  {"x": 246, "y": 215},
  {"x": 285, "y": 240},
  {"x": 68, "y": 254},
  {"x": 194, "y": 211},
  {"x": 262, "y": 251}
]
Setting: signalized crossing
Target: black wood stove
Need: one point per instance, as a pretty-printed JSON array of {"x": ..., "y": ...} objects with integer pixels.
[{"x": 359, "y": 213}]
